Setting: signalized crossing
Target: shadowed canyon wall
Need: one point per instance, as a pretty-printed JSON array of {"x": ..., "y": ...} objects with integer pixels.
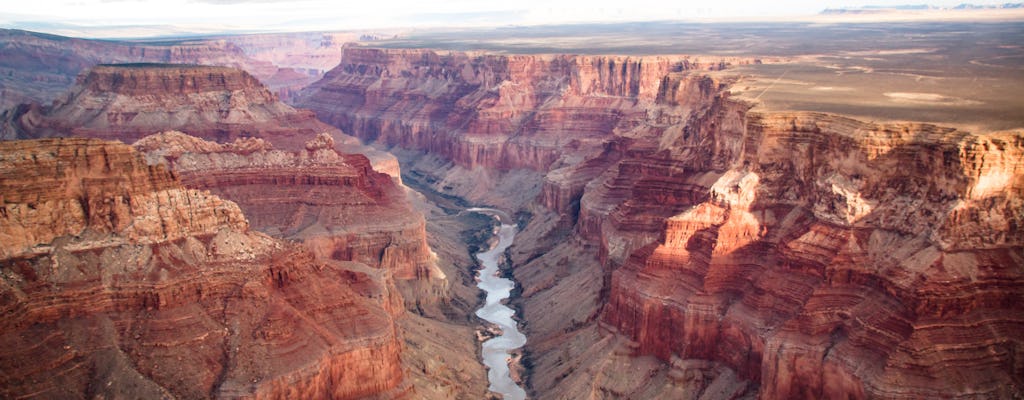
[{"x": 751, "y": 253}]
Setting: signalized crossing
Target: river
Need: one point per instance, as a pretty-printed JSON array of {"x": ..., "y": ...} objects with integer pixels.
[{"x": 496, "y": 350}]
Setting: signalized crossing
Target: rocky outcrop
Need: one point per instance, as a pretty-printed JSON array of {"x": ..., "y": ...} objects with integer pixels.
[
  {"x": 778, "y": 255},
  {"x": 127, "y": 102},
  {"x": 834, "y": 259},
  {"x": 42, "y": 66},
  {"x": 118, "y": 282},
  {"x": 493, "y": 111},
  {"x": 334, "y": 202}
]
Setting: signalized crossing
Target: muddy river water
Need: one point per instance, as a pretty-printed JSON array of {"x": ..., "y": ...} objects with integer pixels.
[{"x": 496, "y": 350}]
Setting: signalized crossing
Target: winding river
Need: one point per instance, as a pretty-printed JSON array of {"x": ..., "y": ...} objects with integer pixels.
[{"x": 496, "y": 350}]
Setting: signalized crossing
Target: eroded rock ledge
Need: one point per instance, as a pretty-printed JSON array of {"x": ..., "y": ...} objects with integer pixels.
[
  {"x": 128, "y": 101},
  {"x": 117, "y": 281},
  {"x": 334, "y": 202}
]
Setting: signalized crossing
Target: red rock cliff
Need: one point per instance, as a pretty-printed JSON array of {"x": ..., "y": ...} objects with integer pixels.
[
  {"x": 500, "y": 112},
  {"x": 836, "y": 259},
  {"x": 118, "y": 282},
  {"x": 44, "y": 66},
  {"x": 129, "y": 101},
  {"x": 334, "y": 202},
  {"x": 797, "y": 255}
]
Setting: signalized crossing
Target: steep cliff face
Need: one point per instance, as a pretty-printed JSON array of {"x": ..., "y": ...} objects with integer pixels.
[
  {"x": 498, "y": 112},
  {"x": 780, "y": 255},
  {"x": 119, "y": 282},
  {"x": 836, "y": 258}
]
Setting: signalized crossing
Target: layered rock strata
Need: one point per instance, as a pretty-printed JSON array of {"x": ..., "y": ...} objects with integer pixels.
[
  {"x": 777, "y": 255},
  {"x": 129, "y": 101},
  {"x": 500, "y": 112},
  {"x": 119, "y": 282},
  {"x": 37, "y": 68},
  {"x": 835, "y": 258},
  {"x": 334, "y": 202}
]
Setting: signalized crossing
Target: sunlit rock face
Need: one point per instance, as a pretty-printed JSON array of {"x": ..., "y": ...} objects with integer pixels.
[
  {"x": 493, "y": 111},
  {"x": 117, "y": 281},
  {"x": 335, "y": 202},
  {"x": 842, "y": 259},
  {"x": 770, "y": 254}
]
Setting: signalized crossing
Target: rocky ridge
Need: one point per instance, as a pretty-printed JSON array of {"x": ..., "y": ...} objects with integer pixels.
[
  {"x": 129, "y": 101},
  {"x": 801, "y": 255},
  {"x": 36, "y": 67},
  {"x": 334, "y": 202},
  {"x": 344, "y": 211},
  {"x": 126, "y": 284}
]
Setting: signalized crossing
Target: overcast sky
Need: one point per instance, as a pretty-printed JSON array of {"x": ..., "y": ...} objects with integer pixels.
[{"x": 360, "y": 14}]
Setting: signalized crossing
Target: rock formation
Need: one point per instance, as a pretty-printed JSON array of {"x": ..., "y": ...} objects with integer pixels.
[
  {"x": 837, "y": 259},
  {"x": 129, "y": 101},
  {"x": 754, "y": 253},
  {"x": 42, "y": 66},
  {"x": 119, "y": 282},
  {"x": 334, "y": 202},
  {"x": 500, "y": 112}
]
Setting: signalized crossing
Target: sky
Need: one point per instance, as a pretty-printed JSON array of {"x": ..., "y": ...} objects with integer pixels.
[{"x": 285, "y": 15}]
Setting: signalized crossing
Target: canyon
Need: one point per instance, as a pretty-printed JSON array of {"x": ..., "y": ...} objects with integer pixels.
[
  {"x": 683, "y": 242},
  {"x": 316, "y": 213},
  {"x": 718, "y": 225}
]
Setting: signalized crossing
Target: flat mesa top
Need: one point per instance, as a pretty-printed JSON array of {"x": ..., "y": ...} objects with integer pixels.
[
  {"x": 161, "y": 66},
  {"x": 964, "y": 74}
]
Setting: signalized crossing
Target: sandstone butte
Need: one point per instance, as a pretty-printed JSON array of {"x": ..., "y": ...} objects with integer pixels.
[
  {"x": 120, "y": 282},
  {"x": 683, "y": 244}
]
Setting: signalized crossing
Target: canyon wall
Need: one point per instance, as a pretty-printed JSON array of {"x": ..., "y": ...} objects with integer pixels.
[
  {"x": 498, "y": 112},
  {"x": 334, "y": 202},
  {"x": 839, "y": 259},
  {"x": 714, "y": 250},
  {"x": 119, "y": 282},
  {"x": 129, "y": 101},
  {"x": 38, "y": 67}
]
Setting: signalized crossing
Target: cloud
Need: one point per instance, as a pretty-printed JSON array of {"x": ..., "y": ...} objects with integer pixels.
[{"x": 235, "y": 2}]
